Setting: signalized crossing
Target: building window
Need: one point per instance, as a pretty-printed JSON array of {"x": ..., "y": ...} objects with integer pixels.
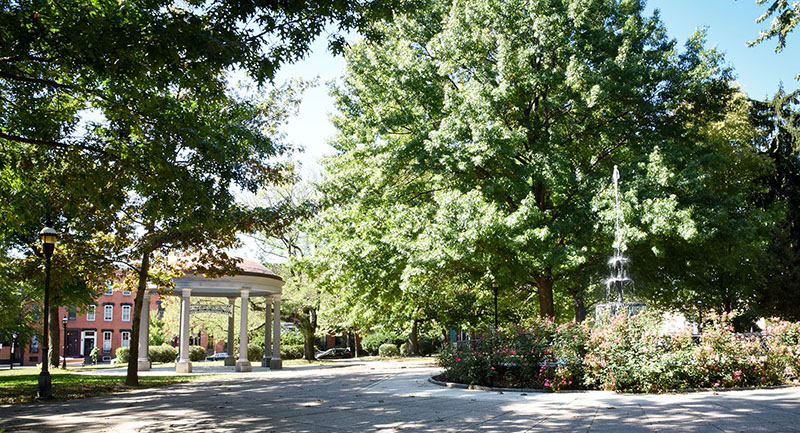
[
  {"x": 90, "y": 312},
  {"x": 106, "y": 341},
  {"x": 72, "y": 313},
  {"x": 37, "y": 315},
  {"x": 126, "y": 313},
  {"x": 34, "y": 345},
  {"x": 126, "y": 339},
  {"x": 109, "y": 289},
  {"x": 126, "y": 292},
  {"x": 108, "y": 313}
]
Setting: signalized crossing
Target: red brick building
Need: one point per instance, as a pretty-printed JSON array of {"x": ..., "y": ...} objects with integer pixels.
[{"x": 105, "y": 325}]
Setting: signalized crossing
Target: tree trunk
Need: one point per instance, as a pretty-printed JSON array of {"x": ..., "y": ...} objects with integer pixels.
[
  {"x": 55, "y": 335},
  {"x": 579, "y": 304},
  {"x": 546, "y": 306},
  {"x": 132, "y": 379},
  {"x": 413, "y": 339},
  {"x": 309, "y": 354}
]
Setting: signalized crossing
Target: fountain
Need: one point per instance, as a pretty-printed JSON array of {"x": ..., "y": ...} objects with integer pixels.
[{"x": 619, "y": 277}]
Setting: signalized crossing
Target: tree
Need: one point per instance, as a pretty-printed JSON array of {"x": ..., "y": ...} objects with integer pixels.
[
  {"x": 140, "y": 90},
  {"x": 498, "y": 123},
  {"x": 786, "y": 17},
  {"x": 778, "y": 123},
  {"x": 301, "y": 297}
]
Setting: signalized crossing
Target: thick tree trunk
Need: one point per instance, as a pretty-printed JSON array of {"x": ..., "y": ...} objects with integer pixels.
[
  {"x": 413, "y": 339},
  {"x": 55, "y": 335},
  {"x": 132, "y": 379},
  {"x": 546, "y": 306}
]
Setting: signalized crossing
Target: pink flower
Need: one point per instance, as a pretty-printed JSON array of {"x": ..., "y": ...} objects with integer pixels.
[{"x": 458, "y": 359}]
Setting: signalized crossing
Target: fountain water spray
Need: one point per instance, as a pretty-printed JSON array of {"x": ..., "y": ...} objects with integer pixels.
[{"x": 619, "y": 276}]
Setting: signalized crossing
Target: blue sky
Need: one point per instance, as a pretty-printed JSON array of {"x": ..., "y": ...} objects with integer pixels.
[{"x": 730, "y": 24}]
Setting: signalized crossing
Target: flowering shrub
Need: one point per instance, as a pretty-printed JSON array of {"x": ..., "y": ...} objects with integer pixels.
[{"x": 630, "y": 354}]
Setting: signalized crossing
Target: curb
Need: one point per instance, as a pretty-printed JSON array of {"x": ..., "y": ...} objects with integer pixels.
[{"x": 566, "y": 391}]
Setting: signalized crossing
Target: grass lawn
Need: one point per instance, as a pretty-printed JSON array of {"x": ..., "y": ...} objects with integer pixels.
[{"x": 21, "y": 385}]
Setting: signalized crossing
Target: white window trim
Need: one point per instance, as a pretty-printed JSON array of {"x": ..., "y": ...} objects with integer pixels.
[
  {"x": 91, "y": 312},
  {"x": 109, "y": 289},
  {"x": 125, "y": 342},
  {"x": 105, "y": 314},
  {"x": 126, "y": 292},
  {"x": 128, "y": 309},
  {"x": 86, "y": 335}
]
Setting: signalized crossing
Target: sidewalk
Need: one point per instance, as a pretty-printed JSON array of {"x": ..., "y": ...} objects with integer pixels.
[{"x": 390, "y": 397}]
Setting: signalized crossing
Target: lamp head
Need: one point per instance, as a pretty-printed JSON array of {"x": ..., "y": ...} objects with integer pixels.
[
  {"x": 48, "y": 237},
  {"x": 64, "y": 320}
]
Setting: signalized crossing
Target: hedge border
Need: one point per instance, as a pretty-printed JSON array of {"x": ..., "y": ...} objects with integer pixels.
[{"x": 566, "y": 391}]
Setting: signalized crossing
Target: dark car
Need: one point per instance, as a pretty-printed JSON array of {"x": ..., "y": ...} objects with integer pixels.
[
  {"x": 219, "y": 356},
  {"x": 335, "y": 353}
]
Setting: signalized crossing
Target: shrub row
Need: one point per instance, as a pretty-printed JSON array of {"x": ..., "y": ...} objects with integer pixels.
[{"x": 630, "y": 354}]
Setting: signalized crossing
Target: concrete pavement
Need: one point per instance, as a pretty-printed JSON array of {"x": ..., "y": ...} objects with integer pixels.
[{"x": 390, "y": 397}]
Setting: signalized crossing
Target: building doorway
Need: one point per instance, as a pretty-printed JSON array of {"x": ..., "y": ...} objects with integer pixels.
[
  {"x": 73, "y": 343},
  {"x": 87, "y": 345}
]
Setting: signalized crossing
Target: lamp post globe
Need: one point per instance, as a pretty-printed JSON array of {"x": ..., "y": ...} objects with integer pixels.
[
  {"x": 64, "y": 354},
  {"x": 48, "y": 237}
]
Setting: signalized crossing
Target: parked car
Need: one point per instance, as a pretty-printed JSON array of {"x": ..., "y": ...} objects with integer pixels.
[
  {"x": 219, "y": 356},
  {"x": 335, "y": 353}
]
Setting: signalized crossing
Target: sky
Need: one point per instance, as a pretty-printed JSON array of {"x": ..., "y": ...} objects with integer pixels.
[{"x": 729, "y": 23}]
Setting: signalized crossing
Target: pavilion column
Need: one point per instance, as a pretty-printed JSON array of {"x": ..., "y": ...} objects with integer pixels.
[
  {"x": 267, "y": 332},
  {"x": 243, "y": 364},
  {"x": 184, "y": 365},
  {"x": 275, "y": 363},
  {"x": 143, "y": 360},
  {"x": 230, "y": 360}
]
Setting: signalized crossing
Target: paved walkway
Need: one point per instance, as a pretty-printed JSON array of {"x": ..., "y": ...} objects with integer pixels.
[{"x": 390, "y": 397}]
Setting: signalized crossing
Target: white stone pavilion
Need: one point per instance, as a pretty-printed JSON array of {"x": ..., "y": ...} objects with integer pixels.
[{"x": 253, "y": 280}]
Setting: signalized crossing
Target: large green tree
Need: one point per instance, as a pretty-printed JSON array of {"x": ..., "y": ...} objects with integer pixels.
[
  {"x": 135, "y": 96},
  {"x": 498, "y": 123}
]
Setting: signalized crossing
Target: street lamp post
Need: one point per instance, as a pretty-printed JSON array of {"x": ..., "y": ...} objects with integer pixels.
[
  {"x": 48, "y": 237},
  {"x": 13, "y": 342},
  {"x": 64, "y": 359}
]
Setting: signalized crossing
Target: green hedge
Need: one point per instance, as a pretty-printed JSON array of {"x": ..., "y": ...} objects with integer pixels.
[
  {"x": 630, "y": 354},
  {"x": 254, "y": 352},
  {"x": 197, "y": 353},
  {"x": 123, "y": 354},
  {"x": 388, "y": 350},
  {"x": 372, "y": 342},
  {"x": 293, "y": 351},
  {"x": 163, "y": 353}
]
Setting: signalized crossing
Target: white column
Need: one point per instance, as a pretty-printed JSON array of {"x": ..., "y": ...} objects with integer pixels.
[
  {"x": 184, "y": 365},
  {"x": 143, "y": 359},
  {"x": 275, "y": 363},
  {"x": 267, "y": 331},
  {"x": 243, "y": 364}
]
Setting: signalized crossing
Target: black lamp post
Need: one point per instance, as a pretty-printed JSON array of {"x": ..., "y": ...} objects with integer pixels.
[
  {"x": 48, "y": 237},
  {"x": 64, "y": 359},
  {"x": 13, "y": 342}
]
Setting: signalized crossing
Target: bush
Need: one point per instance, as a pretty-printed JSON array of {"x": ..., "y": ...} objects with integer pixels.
[
  {"x": 630, "y": 354},
  {"x": 197, "y": 353},
  {"x": 123, "y": 354},
  {"x": 388, "y": 350},
  {"x": 254, "y": 352},
  {"x": 428, "y": 347},
  {"x": 372, "y": 342},
  {"x": 294, "y": 351},
  {"x": 292, "y": 338},
  {"x": 163, "y": 353}
]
